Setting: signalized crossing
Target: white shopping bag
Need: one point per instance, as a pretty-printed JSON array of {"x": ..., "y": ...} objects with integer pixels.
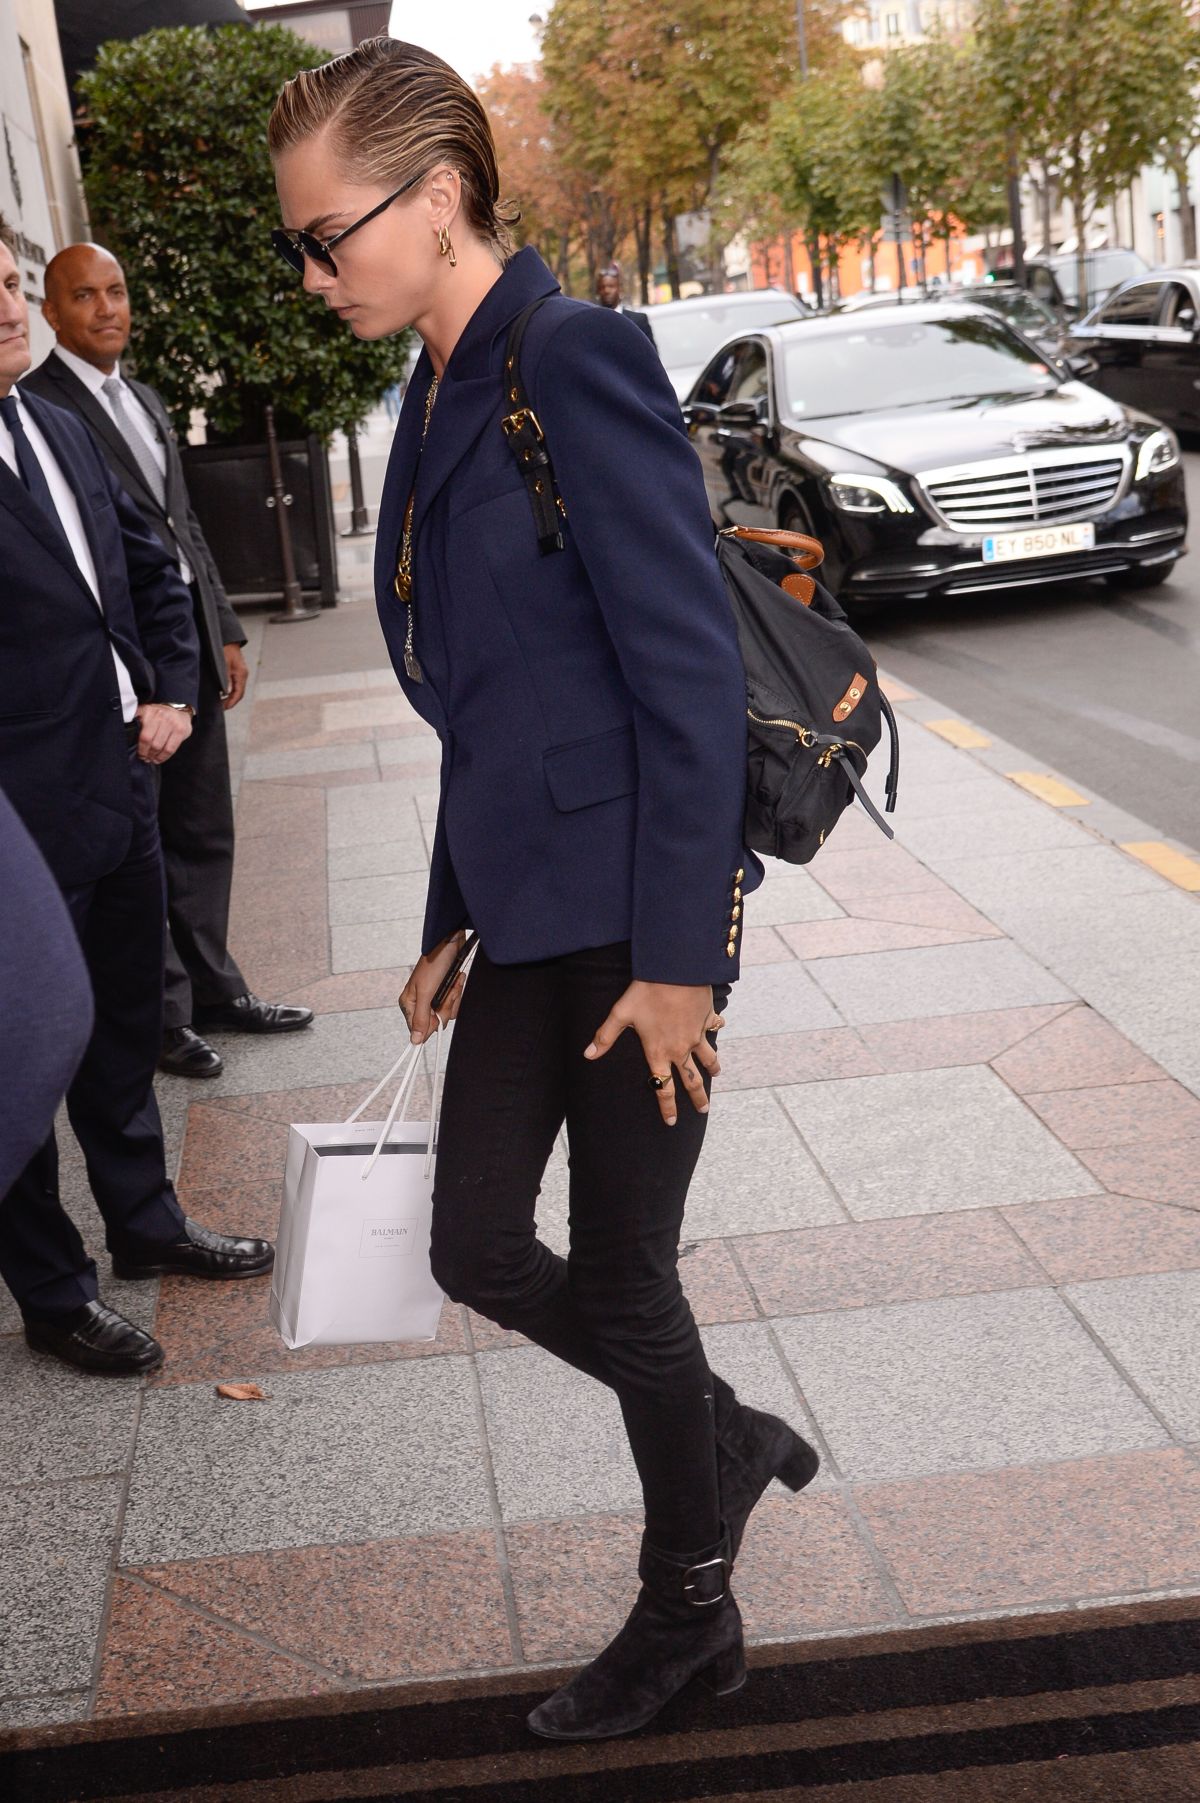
[{"x": 352, "y": 1258}]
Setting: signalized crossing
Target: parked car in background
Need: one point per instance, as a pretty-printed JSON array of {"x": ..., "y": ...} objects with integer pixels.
[
  {"x": 1145, "y": 342},
  {"x": 882, "y": 297},
  {"x": 1032, "y": 317},
  {"x": 1055, "y": 280},
  {"x": 1039, "y": 323},
  {"x": 687, "y": 332},
  {"x": 933, "y": 451}
]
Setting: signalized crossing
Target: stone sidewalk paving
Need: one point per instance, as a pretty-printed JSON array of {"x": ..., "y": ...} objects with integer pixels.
[{"x": 947, "y": 1221}]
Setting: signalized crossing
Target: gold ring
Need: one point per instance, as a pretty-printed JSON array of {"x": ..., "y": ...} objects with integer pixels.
[{"x": 657, "y": 1082}]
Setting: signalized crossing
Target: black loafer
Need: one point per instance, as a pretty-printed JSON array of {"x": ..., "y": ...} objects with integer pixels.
[
  {"x": 247, "y": 1014},
  {"x": 198, "y": 1252},
  {"x": 185, "y": 1054},
  {"x": 95, "y": 1338}
]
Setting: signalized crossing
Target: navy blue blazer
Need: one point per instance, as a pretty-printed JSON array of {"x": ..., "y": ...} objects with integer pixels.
[
  {"x": 45, "y": 999},
  {"x": 63, "y": 759},
  {"x": 591, "y": 704}
]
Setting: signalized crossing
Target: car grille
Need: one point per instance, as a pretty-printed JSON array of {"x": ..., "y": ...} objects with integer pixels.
[{"x": 1035, "y": 490}]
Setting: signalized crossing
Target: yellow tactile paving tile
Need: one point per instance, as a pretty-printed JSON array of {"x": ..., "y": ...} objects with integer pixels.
[
  {"x": 957, "y": 732},
  {"x": 1048, "y": 789},
  {"x": 1179, "y": 869},
  {"x": 895, "y": 691}
]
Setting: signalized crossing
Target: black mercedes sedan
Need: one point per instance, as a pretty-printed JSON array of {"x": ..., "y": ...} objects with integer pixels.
[
  {"x": 1145, "y": 342},
  {"x": 934, "y": 452}
]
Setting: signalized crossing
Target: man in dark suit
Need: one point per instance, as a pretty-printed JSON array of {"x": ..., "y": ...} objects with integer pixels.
[
  {"x": 87, "y": 305},
  {"x": 608, "y": 294},
  {"x": 98, "y": 683},
  {"x": 45, "y": 998}
]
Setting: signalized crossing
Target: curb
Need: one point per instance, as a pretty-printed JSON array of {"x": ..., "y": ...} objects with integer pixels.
[{"x": 1136, "y": 839}]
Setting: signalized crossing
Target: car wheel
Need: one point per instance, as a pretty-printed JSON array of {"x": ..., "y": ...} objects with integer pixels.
[
  {"x": 1145, "y": 576},
  {"x": 792, "y": 518}
]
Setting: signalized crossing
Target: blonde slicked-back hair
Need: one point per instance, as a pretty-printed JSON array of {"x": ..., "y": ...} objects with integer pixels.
[{"x": 393, "y": 111}]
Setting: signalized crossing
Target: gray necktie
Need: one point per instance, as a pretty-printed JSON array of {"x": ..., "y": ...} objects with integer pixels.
[{"x": 143, "y": 456}]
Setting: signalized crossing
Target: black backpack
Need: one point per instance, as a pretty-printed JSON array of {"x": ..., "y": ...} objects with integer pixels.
[{"x": 808, "y": 674}]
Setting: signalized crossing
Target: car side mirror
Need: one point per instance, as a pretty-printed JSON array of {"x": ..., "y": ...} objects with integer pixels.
[{"x": 743, "y": 414}]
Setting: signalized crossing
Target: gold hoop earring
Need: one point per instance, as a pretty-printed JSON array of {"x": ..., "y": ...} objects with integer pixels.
[{"x": 445, "y": 247}]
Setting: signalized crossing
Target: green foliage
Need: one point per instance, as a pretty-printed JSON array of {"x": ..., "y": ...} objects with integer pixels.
[
  {"x": 805, "y": 165},
  {"x": 648, "y": 98},
  {"x": 936, "y": 124},
  {"x": 1093, "y": 89},
  {"x": 173, "y": 136}
]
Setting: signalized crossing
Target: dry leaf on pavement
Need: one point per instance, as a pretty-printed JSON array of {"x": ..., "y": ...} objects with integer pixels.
[{"x": 242, "y": 1393}]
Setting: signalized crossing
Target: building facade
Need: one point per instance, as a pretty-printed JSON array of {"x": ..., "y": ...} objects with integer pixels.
[
  {"x": 41, "y": 194},
  {"x": 327, "y": 25}
]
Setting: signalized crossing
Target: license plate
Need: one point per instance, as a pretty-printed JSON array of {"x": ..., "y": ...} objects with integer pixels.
[{"x": 1038, "y": 541}]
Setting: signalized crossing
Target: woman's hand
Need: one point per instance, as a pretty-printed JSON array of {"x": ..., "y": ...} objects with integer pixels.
[
  {"x": 671, "y": 1020},
  {"x": 427, "y": 976}
]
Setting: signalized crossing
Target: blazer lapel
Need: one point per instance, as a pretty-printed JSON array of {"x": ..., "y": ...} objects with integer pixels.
[
  {"x": 176, "y": 506},
  {"x": 16, "y": 497},
  {"x": 461, "y": 412},
  {"x": 87, "y": 405},
  {"x": 397, "y": 482},
  {"x": 470, "y": 394}
]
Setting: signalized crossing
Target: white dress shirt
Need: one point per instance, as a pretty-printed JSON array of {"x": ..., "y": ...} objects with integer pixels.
[
  {"x": 93, "y": 380},
  {"x": 71, "y": 520}
]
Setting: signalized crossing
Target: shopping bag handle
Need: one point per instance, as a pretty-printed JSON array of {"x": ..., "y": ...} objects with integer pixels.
[
  {"x": 399, "y": 1107},
  {"x": 409, "y": 1054}
]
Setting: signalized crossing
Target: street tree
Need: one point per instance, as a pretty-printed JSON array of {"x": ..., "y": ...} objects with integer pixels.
[
  {"x": 936, "y": 125},
  {"x": 806, "y": 167},
  {"x": 172, "y": 131},
  {"x": 533, "y": 170},
  {"x": 1092, "y": 90},
  {"x": 651, "y": 96}
]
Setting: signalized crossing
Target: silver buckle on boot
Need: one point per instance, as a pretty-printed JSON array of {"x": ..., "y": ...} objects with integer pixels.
[{"x": 706, "y": 1602}]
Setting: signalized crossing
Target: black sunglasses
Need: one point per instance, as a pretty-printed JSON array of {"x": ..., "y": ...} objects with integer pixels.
[{"x": 293, "y": 247}]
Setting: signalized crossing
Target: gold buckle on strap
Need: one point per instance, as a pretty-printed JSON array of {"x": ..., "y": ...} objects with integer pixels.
[{"x": 514, "y": 422}]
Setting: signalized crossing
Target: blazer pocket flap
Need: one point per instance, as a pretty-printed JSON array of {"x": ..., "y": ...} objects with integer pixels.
[{"x": 592, "y": 770}]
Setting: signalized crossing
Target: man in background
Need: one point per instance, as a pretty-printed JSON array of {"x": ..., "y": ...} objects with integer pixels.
[
  {"x": 608, "y": 293},
  {"x": 87, "y": 306},
  {"x": 98, "y": 681}
]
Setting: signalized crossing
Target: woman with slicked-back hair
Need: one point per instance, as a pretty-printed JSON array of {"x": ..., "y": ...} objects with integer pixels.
[{"x": 582, "y": 673}]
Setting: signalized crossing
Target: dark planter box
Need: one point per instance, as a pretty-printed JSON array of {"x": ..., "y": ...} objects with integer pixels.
[{"x": 230, "y": 489}]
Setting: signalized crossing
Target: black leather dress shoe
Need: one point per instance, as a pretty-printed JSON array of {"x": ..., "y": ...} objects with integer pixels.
[
  {"x": 95, "y": 1338},
  {"x": 247, "y": 1014},
  {"x": 185, "y": 1054},
  {"x": 198, "y": 1252}
]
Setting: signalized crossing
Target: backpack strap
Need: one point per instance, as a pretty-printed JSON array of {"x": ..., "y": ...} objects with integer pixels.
[{"x": 527, "y": 441}]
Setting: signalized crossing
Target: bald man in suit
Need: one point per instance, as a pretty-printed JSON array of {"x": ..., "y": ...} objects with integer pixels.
[{"x": 87, "y": 305}]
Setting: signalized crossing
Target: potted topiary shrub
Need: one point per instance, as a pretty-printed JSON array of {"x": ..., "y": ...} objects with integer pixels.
[{"x": 172, "y": 133}]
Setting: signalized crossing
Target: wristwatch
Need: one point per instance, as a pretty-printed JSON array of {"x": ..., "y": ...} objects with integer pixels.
[{"x": 182, "y": 707}]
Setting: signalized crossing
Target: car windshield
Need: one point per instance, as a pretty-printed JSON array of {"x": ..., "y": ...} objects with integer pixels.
[
  {"x": 906, "y": 363},
  {"x": 694, "y": 333},
  {"x": 1027, "y": 314}
]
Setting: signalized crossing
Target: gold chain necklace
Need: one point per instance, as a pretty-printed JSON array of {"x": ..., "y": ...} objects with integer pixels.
[{"x": 404, "y": 565}]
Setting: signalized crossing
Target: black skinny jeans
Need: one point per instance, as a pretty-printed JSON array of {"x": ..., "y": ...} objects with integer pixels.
[{"x": 614, "y": 1307}]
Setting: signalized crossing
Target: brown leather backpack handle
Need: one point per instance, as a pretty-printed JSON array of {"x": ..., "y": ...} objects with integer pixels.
[{"x": 807, "y": 552}]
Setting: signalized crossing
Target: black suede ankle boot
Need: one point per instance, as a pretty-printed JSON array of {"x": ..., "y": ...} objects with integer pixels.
[
  {"x": 753, "y": 1448},
  {"x": 685, "y": 1624}
]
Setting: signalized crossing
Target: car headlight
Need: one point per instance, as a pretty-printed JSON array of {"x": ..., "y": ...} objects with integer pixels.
[
  {"x": 868, "y": 494},
  {"x": 1156, "y": 454}
]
